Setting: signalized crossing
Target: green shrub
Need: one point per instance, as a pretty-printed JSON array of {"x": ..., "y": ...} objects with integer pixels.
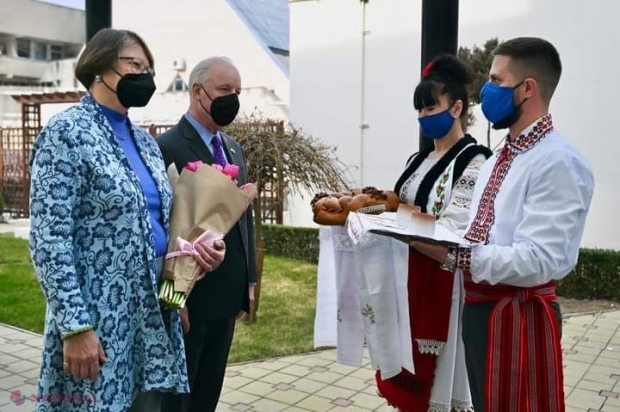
[
  {"x": 300, "y": 243},
  {"x": 596, "y": 276}
]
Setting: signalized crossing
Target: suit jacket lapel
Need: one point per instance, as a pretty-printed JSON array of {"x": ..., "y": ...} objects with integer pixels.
[
  {"x": 195, "y": 142},
  {"x": 231, "y": 154}
]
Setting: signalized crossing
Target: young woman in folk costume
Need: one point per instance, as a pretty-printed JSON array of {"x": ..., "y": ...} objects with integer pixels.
[{"x": 441, "y": 181}]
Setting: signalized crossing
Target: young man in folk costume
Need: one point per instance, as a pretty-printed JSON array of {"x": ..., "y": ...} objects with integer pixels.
[
  {"x": 440, "y": 180},
  {"x": 527, "y": 221}
]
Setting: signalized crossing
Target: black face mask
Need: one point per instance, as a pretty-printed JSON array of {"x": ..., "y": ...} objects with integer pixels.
[
  {"x": 224, "y": 109},
  {"x": 134, "y": 90}
]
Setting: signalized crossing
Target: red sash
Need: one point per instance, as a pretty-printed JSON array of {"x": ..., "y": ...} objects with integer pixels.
[{"x": 524, "y": 356}]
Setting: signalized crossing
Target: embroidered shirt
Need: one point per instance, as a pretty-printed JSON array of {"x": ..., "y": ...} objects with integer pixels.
[{"x": 539, "y": 206}]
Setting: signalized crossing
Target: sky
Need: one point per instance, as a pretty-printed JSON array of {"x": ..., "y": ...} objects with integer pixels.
[{"x": 76, "y": 4}]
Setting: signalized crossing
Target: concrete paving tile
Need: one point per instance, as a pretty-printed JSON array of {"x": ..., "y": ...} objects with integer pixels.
[
  {"x": 254, "y": 373},
  {"x": 308, "y": 386},
  {"x": 355, "y": 384},
  {"x": 278, "y": 377},
  {"x": 296, "y": 370},
  {"x": 328, "y": 355},
  {"x": 258, "y": 388},
  {"x": 289, "y": 397},
  {"x": 595, "y": 386},
  {"x": 342, "y": 369},
  {"x": 604, "y": 370},
  {"x": 581, "y": 398},
  {"x": 571, "y": 380},
  {"x": 30, "y": 353},
  {"x": 598, "y": 377},
  {"x": 314, "y": 361},
  {"x": 326, "y": 377},
  {"x": 315, "y": 404},
  {"x": 576, "y": 369},
  {"x": 7, "y": 359},
  {"x": 367, "y": 401},
  {"x": 581, "y": 357},
  {"x": 241, "y": 407},
  {"x": 11, "y": 382},
  {"x": 363, "y": 374},
  {"x": 588, "y": 349},
  {"x": 294, "y": 359},
  {"x": 236, "y": 382},
  {"x": 333, "y": 392},
  {"x": 235, "y": 397},
  {"x": 612, "y": 403},
  {"x": 610, "y": 352},
  {"x": 350, "y": 408},
  {"x": 21, "y": 366},
  {"x": 268, "y": 405},
  {"x": 272, "y": 366},
  {"x": 223, "y": 407}
]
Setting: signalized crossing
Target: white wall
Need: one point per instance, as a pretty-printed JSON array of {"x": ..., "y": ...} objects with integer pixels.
[
  {"x": 326, "y": 83},
  {"x": 194, "y": 30}
]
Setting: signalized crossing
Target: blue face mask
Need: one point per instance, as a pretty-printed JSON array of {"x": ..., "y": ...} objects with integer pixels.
[
  {"x": 497, "y": 105},
  {"x": 437, "y": 125}
]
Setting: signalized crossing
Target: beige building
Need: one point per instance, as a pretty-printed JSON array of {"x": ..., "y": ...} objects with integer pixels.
[
  {"x": 253, "y": 33},
  {"x": 38, "y": 46}
]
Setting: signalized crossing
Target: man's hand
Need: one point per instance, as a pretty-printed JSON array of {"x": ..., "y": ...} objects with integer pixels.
[
  {"x": 210, "y": 257},
  {"x": 252, "y": 293},
  {"x": 184, "y": 314},
  {"x": 435, "y": 252},
  {"x": 82, "y": 355}
]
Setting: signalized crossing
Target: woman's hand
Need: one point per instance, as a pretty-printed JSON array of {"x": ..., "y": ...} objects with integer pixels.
[
  {"x": 184, "y": 314},
  {"x": 82, "y": 355},
  {"x": 210, "y": 257}
]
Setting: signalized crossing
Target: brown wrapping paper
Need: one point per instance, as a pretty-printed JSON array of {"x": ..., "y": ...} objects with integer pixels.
[{"x": 203, "y": 200}]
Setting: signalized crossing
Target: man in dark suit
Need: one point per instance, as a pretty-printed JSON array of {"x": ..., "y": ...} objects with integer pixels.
[{"x": 212, "y": 307}]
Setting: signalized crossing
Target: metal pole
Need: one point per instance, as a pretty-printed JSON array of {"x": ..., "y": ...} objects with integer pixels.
[
  {"x": 440, "y": 27},
  {"x": 98, "y": 16}
]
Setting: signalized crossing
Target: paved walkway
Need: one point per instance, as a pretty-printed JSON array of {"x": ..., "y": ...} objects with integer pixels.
[{"x": 315, "y": 382}]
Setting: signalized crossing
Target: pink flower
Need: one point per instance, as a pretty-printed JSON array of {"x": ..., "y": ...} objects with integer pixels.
[
  {"x": 231, "y": 170},
  {"x": 193, "y": 166}
]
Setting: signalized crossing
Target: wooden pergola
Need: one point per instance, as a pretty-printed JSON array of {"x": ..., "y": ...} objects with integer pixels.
[{"x": 16, "y": 144}]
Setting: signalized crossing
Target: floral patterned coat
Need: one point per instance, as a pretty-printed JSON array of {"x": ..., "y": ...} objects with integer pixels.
[{"x": 93, "y": 250}]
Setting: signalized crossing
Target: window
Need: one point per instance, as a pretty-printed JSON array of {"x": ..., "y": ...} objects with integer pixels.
[
  {"x": 178, "y": 85},
  {"x": 55, "y": 52},
  {"x": 40, "y": 51},
  {"x": 23, "y": 48}
]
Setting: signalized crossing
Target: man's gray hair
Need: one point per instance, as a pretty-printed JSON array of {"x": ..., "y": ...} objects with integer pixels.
[{"x": 200, "y": 73}]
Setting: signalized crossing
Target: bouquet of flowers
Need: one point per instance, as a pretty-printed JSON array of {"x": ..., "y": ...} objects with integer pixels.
[{"x": 207, "y": 204}]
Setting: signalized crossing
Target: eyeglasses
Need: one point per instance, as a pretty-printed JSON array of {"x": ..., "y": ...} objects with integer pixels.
[{"x": 136, "y": 65}]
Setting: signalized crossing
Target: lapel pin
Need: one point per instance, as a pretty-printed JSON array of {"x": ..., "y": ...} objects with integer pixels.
[{"x": 232, "y": 151}]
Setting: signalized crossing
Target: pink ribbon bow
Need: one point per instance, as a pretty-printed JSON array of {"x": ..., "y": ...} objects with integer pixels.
[{"x": 186, "y": 248}]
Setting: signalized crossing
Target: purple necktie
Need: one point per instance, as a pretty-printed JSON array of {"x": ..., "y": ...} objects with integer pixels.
[{"x": 218, "y": 151}]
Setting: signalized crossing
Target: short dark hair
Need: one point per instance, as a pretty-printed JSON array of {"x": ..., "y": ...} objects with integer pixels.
[
  {"x": 101, "y": 52},
  {"x": 444, "y": 75},
  {"x": 536, "y": 58}
]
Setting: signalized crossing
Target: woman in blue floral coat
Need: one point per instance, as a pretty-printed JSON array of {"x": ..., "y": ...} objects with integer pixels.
[{"x": 99, "y": 204}]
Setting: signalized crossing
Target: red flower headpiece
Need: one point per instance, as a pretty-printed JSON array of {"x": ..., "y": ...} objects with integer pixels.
[{"x": 427, "y": 69}]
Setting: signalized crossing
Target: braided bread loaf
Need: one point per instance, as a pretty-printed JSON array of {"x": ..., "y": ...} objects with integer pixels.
[{"x": 333, "y": 208}]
